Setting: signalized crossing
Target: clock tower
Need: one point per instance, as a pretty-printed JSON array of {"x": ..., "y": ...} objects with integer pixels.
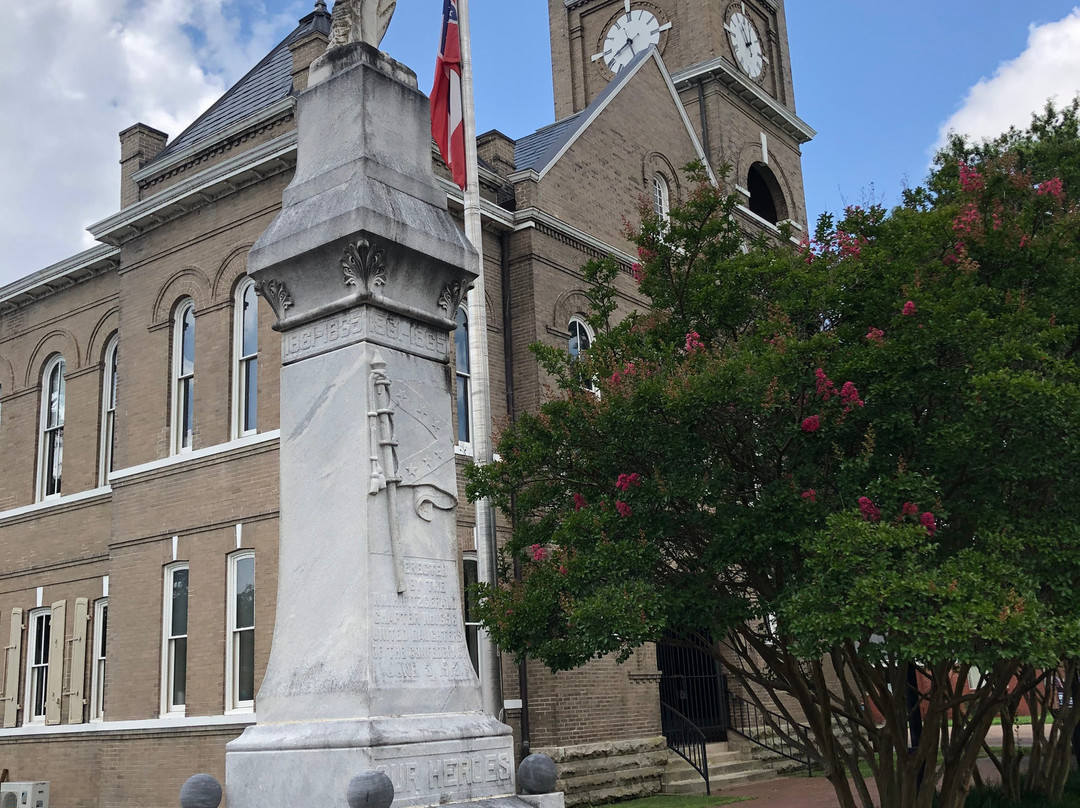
[{"x": 729, "y": 62}]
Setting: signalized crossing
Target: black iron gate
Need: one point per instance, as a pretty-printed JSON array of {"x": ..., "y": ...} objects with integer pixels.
[{"x": 691, "y": 684}]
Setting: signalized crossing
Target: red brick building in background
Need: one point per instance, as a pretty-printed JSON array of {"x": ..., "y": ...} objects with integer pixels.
[{"x": 139, "y": 394}]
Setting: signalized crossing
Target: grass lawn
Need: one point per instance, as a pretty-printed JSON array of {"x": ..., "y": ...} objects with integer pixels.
[{"x": 680, "y": 801}]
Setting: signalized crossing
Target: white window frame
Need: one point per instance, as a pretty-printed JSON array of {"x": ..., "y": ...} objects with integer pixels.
[
  {"x": 240, "y": 390},
  {"x": 582, "y": 326},
  {"x": 108, "y": 410},
  {"x": 661, "y": 196},
  {"x": 471, "y": 626},
  {"x": 46, "y": 432},
  {"x": 98, "y": 653},
  {"x": 32, "y": 667},
  {"x": 463, "y": 381},
  {"x": 169, "y": 641},
  {"x": 181, "y": 440},
  {"x": 232, "y": 640}
]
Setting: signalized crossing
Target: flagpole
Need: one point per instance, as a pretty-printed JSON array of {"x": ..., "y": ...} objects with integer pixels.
[{"x": 486, "y": 546}]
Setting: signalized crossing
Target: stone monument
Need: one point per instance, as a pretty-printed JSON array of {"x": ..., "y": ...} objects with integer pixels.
[{"x": 365, "y": 269}]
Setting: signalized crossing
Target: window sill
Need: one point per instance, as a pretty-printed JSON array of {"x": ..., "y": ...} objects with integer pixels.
[
  {"x": 55, "y": 502},
  {"x": 194, "y": 455},
  {"x": 175, "y": 721},
  {"x": 463, "y": 449}
]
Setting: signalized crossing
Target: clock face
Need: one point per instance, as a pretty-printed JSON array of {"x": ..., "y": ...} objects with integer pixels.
[
  {"x": 629, "y": 35},
  {"x": 746, "y": 44}
]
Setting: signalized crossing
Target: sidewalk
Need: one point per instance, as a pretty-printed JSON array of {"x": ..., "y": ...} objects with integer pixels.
[{"x": 817, "y": 792}]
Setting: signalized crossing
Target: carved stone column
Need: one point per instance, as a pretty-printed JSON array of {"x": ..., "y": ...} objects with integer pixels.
[{"x": 365, "y": 269}]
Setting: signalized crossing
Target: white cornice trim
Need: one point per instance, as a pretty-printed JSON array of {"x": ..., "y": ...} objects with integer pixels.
[
  {"x": 157, "y": 167},
  {"x": 86, "y": 261},
  {"x": 488, "y": 208},
  {"x": 153, "y": 724},
  {"x": 198, "y": 454},
  {"x": 531, "y": 217},
  {"x": 728, "y": 74},
  {"x": 165, "y": 205}
]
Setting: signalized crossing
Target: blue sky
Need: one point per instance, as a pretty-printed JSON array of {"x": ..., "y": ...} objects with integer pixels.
[{"x": 879, "y": 81}]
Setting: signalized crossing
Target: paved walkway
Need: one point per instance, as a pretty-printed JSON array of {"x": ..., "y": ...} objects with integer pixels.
[{"x": 817, "y": 792}]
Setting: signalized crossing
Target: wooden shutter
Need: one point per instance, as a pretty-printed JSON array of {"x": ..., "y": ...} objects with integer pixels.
[
  {"x": 78, "y": 661},
  {"x": 11, "y": 678},
  {"x": 55, "y": 688}
]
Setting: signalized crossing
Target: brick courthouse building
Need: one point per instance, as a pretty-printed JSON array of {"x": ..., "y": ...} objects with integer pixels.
[{"x": 139, "y": 393}]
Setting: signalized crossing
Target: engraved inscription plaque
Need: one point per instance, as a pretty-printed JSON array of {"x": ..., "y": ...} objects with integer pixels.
[
  {"x": 360, "y": 324},
  {"x": 417, "y": 636}
]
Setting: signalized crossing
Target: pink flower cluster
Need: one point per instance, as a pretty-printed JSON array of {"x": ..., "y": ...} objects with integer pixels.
[
  {"x": 909, "y": 308},
  {"x": 810, "y": 495},
  {"x": 841, "y": 244},
  {"x": 849, "y": 245},
  {"x": 811, "y": 424},
  {"x": 1052, "y": 187},
  {"x": 579, "y": 502},
  {"x": 928, "y": 521},
  {"x": 970, "y": 179},
  {"x": 539, "y": 552},
  {"x": 627, "y": 481},
  {"x": 875, "y": 335},
  {"x": 623, "y": 509},
  {"x": 638, "y": 272},
  {"x": 908, "y": 509},
  {"x": 967, "y": 221},
  {"x": 849, "y": 394},
  {"x": 618, "y": 377},
  {"x": 870, "y": 512},
  {"x": 694, "y": 343},
  {"x": 825, "y": 388}
]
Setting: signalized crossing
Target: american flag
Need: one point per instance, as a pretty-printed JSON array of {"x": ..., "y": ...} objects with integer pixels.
[{"x": 447, "y": 114}]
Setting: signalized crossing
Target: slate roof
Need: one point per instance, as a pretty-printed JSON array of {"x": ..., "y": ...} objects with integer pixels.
[
  {"x": 538, "y": 150},
  {"x": 269, "y": 81}
]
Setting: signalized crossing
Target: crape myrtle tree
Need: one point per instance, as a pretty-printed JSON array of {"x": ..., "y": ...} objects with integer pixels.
[{"x": 842, "y": 460}]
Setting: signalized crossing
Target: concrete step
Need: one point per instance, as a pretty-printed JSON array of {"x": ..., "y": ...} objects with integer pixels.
[
  {"x": 728, "y": 767},
  {"x": 718, "y": 783}
]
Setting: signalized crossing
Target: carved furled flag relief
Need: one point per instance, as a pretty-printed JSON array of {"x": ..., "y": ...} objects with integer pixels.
[{"x": 360, "y": 21}]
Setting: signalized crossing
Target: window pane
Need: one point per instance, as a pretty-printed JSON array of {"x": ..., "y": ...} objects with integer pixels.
[
  {"x": 472, "y": 576},
  {"x": 245, "y": 653},
  {"x": 187, "y": 366},
  {"x": 54, "y": 461},
  {"x": 245, "y": 592},
  {"x": 472, "y": 640},
  {"x": 461, "y": 342},
  {"x": 179, "y": 672},
  {"x": 251, "y": 322},
  {"x": 463, "y": 409},
  {"x": 41, "y": 641},
  {"x": 112, "y": 380},
  {"x": 178, "y": 626},
  {"x": 38, "y": 684},
  {"x": 187, "y": 426},
  {"x": 103, "y": 629},
  {"x": 251, "y": 393}
]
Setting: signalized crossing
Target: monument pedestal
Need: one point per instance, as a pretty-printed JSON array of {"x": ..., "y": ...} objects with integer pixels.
[{"x": 365, "y": 269}]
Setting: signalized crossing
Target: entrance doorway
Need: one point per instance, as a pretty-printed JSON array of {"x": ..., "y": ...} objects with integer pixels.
[{"x": 691, "y": 683}]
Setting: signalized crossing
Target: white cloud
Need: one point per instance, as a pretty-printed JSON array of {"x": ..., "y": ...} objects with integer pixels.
[
  {"x": 1049, "y": 68},
  {"x": 74, "y": 73}
]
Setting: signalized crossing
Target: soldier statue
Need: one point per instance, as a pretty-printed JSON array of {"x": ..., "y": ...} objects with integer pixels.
[{"x": 360, "y": 21}]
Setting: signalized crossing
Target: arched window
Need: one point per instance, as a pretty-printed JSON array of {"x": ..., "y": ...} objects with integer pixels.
[
  {"x": 461, "y": 366},
  {"x": 661, "y": 196},
  {"x": 183, "y": 410},
  {"x": 108, "y": 411},
  {"x": 766, "y": 198},
  {"x": 245, "y": 360},
  {"x": 51, "y": 459},
  {"x": 240, "y": 644},
  {"x": 580, "y": 337}
]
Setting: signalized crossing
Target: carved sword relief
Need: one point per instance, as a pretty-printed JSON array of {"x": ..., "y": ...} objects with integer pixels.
[{"x": 384, "y": 470}]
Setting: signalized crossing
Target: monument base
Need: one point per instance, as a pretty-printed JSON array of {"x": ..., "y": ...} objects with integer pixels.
[{"x": 430, "y": 759}]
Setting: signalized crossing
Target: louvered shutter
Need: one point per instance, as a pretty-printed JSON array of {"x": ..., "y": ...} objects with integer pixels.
[
  {"x": 55, "y": 688},
  {"x": 78, "y": 661},
  {"x": 11, "y": 678}
]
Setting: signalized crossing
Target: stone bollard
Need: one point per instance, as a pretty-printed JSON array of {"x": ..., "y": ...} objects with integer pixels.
[
  {"x": 536, "y": 774},
  {"x": 200, "y": 791},
  {"x": 371, "y": 789}
]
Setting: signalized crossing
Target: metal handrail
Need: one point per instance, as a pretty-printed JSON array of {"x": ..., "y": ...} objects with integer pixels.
[
  {"x": 768, "y": 730},
  {"x": 686, "y": 741}
]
